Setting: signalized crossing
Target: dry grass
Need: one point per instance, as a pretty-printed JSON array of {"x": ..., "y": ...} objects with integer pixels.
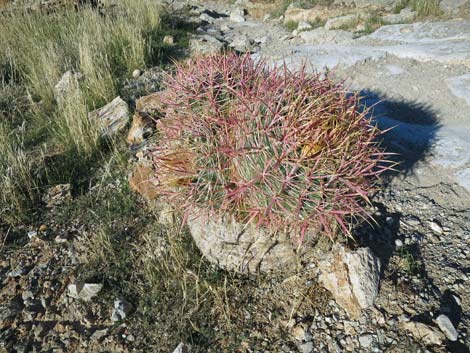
[{"x": 35, "y": 50}]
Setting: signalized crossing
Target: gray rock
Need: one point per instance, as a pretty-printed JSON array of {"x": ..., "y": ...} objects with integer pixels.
[
  {"x": 241, "y": 43},
  {"x": 111, "y": 118},
  {"x": 323, "y": 36},
  {"x": 342, "y": 21},
  {"x": 237, "y": 15},
  {"x": 436, "y": 227},
  {"x": 365, "y": 3},
  {"x": 453, "y": 7},
  {"x": 352, "y": 277},
  {"x": 66, "y": 84},
  {"x": 306, "y": 347},
  {"x": 84, "y": 291},
  {"x": 405, "y": 15},
  {"x": 366, "y": 340},
  {"x": 447, "y": 327},
  {"x": 427, "y": 334},
  {"x": 205, "y": 45},
  {"x": 121, "y": 310}
]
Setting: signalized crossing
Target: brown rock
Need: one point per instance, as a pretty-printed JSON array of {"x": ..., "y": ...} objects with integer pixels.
[
  {"x": 141, "y": 181},
  {"x": 427, "y": 334},
  {"x": 141, "y": 128},
  {"x": 352, "y": 277}
]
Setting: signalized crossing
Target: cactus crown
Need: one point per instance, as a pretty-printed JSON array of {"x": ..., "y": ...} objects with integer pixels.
[{"x": 284, "y": 149}]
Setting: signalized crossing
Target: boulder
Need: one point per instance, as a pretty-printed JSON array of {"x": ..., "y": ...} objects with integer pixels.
[
  {"x": 111, "y": 118},
  {"x": 352, "y": 277},
  {"x": 244, "y": 248}
]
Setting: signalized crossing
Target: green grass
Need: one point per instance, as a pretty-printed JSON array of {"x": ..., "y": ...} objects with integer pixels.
[
  {"x": 424, "y": 8},
  {"x": 45, "y": 141}
]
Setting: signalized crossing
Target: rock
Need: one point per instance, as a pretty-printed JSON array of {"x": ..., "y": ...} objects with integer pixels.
[
  {"x": 206, "y": 18},
  {"x": 32, "y": 234},
  {"x": 98, "y": 334},
  {"x": 323, "y": 36},
  {"x": 136, "y": 73},
  {"x": 168, "y": 40},
  {"x": 347, "y": 21},
  {"x": 452, "y": 7},
  {"x": 141, "y": 128},
  {"x": 427, "y": 334},
  {"x": 366, "y": 340},
  {"x": 241, "y": 43},
  {"x": 398, "y": 243},
  {"x": 121, "y": 310},
  {"x": 447, "y": 327},
  {"x": 304, "y": 26},
  {"x": 205, "y": 44},
  {"x": 182, "y": 348},
  {"x": 405, "y": 15},
  {"x": 298, "y": 332},
  {"x": 243, "y": 248},
  {"x": 373, "y": 4},
  {"x": 352, "y": 277},
  {"x": 237, "y": 15},
  {"x": 436, "y": 227},
  {"x": 141, "y": 181},
  {"x": 317, "y": 13},
  {"x": 84, "y": 291},
  {"x": 111, "y": 118},
  {"x": 67, "y": 82},
  {"x": 57, "y": 195},
  {"x": 306, "y": 347}
]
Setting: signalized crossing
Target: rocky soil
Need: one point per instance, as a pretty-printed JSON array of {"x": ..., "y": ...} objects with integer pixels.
[{"x": 417, "y": 78}]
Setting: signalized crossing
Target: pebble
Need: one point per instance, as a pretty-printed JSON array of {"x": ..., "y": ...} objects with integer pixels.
[
  {"x": 306, "y": 347},
  {"x": 168, "y": 40},
  {"x": 366, "y": 340},
  {"x": 436, "y": 227},
  {"x": 136, "y": 73},
  {"x": 447, "y": 327},
  {"x": 121, "y": 310},
  {"x": 398, "y": 243}
]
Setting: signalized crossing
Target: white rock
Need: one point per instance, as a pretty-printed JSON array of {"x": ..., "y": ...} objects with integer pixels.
[
  {"x": 67, "y": 82},
  {"x": 306, "y": 347},
  {"x": 136, "y": 73},
  {"x": 436, "y": 227},
  {"x": 32, "y": 234},
  {"x": 398, "y": 243},
  {"x": 84, "y": 291},
  {"x": 447, "y": 327},
  {"x": 182, "y": 348},
  {"x": 405, "y": 15},
  {"x": 168, "y": 40},
  {"x": 323, "y": 36},
  {"x": 366, "y": 340},
  {"x": 352, "y": 277},
  {"x": 237, "y": 15},
  {"x": 121, "y": 310},
  {"x": 205, "y": 17}
]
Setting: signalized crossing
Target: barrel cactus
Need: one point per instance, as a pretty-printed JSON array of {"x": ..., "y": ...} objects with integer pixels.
[{"x": 282, "y": 150}]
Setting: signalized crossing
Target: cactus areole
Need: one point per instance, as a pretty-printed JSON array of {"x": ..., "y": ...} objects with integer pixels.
[{"x": 285, "y": 150}]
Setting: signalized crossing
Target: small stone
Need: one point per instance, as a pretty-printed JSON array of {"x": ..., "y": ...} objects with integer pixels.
[
  {"x": 237, "y": 15},
  {"x": 85, "y": 291},
  {"x": 42, "y": 228},
  {"x": 57, "y": 195},
  {"x": 306, "y": 347},
  {"x": 447, "y": 327},
  {"x": 121, "y": 310},
  {"x": 32, "y": 234},
  {"x": 436, "y": 227},
  {"x": 168, "y": 40},
  {"x": 298, "y": 332},
  {"x": 182, "y": 348},
  {"x": 136, "y": 73},
  {"x": 98, "y": 334},
  {"x": 398, "y": 243},
  {"x": 366, "y": 340}
]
